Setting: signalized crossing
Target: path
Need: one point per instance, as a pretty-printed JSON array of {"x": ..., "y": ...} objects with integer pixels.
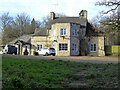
[{"x": 106, "y": 59}]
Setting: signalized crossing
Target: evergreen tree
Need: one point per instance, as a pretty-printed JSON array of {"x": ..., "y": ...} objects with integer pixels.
[{"x": 33, "y": 26}]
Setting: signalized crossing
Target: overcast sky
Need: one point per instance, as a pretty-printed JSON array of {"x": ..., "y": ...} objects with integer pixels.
[{"x": 40, "y": 8}]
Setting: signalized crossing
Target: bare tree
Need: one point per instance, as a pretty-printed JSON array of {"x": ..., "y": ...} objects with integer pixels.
[
  {"x": 5, "y": 20},
  {"x": 114, "y": 4},
  {"x": 22, "y": 21},
  {"x": 38, "y": 24},
  {"x": 110, "y": 25}
]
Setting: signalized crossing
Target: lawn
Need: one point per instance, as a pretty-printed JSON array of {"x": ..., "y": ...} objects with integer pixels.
[{"x": 29, "y": 73}]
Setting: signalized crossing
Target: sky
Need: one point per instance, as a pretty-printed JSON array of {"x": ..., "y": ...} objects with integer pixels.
[{"x": 39, "y": 8}]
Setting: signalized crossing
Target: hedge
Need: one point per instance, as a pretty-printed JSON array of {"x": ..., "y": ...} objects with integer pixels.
[{"x": 112, "y": 50}]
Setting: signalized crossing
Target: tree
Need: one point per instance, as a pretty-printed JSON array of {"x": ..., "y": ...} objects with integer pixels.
[
  {"x": 5, "y": 20},
  {"x": 38, "y": 24},
  {"x": 95, "y": 22},
  {"x": 13, "y": 28},
  {"x": 0, "y": 38},
  {"x": 114, "y": 4},
  {"x": 32, "y": 26},
  {"x": 9, "y": 34},
  {"x": 22, "y": 22},
  {"x": 111, "y": 23},
  {"x": 6, "y": 26}
]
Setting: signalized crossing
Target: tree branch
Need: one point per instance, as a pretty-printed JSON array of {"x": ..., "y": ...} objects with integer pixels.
[
  {"x": 117, "y": 4},
  {"x": 111, "y": 10}
]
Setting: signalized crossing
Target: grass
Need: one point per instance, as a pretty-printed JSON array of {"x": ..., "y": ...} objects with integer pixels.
[{"x": 29, "y": 73}]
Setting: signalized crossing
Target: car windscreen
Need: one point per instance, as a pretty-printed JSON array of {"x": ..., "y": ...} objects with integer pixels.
[{"x": 52, "y": 49}]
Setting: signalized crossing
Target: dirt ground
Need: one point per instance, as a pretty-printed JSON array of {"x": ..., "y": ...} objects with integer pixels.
[{"x": 91, "y": 59}]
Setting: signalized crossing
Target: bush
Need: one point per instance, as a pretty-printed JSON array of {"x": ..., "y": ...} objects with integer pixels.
[
  {"x": 26, "y": 52},
  {"x": 112, "y": 50}
]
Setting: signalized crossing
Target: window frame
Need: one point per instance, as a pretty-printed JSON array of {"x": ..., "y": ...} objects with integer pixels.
[
  {"x": 74, "y": 32},
  {"x": 63, "y": 47},
  {"x": 39, "y": 46},
  {"x": 74, "y": 47},
  {"x": 63, "y": 32},
  {"x": 93, "y": 47},
  {"x": 33, "y": 46}
]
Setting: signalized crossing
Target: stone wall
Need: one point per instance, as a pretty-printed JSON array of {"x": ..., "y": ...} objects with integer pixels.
[{"x": 99, "y": 41}]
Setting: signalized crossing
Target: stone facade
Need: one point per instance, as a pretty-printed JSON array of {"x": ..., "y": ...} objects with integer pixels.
[
  {"x": 54, "y": 39},
  {"x": 99, "y": 41}
]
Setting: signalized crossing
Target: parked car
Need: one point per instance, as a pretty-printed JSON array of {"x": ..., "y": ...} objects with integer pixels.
[
  {"x": 1, "y": 52},
  {"x": 47, "y": 51},
  {"x": 9, "y": 49}
]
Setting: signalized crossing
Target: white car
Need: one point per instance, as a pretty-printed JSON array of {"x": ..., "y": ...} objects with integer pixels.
[
  {"x": 1, "y": 52},
  {"x": 47, "y": 51}
]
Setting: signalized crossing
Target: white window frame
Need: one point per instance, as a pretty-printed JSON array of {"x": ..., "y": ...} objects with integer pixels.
[
  {"x": 64, "y": 30},
  {"x": 39, "y": 46},
  {"x": 63, "y": 47},
  {"x": 93, "y": 47},
  {"x": 54, "y": 33}
]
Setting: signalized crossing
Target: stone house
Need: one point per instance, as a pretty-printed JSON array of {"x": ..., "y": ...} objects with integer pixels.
[
  {"x": 69, "y": 36},
  {"x": 22, "y": 43}
]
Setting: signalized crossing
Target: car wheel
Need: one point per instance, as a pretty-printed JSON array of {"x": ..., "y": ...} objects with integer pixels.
[
  {"x": 46, "y": 54},
  {"x": 53, "y": 54}
]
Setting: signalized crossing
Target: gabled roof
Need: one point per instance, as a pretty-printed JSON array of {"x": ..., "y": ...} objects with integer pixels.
[
  {"x": 23, "y": 42},
  {"x": 41, "y": 32},
  {"x": 25, "y": 38},
  {"x": 78, "y": 20},
  {"x": 90, "y": 31}
]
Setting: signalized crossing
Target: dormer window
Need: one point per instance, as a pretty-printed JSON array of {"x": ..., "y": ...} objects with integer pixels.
[{"x": 63, "y": 32}]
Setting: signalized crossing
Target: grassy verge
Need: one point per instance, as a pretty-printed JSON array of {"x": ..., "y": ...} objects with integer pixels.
[{"x": 28, "y": 73}]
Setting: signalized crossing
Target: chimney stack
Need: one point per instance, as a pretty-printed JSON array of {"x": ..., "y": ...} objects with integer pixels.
[
  {"x": 83, "y": 14},
  {"x": 52, "y": 15}
]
